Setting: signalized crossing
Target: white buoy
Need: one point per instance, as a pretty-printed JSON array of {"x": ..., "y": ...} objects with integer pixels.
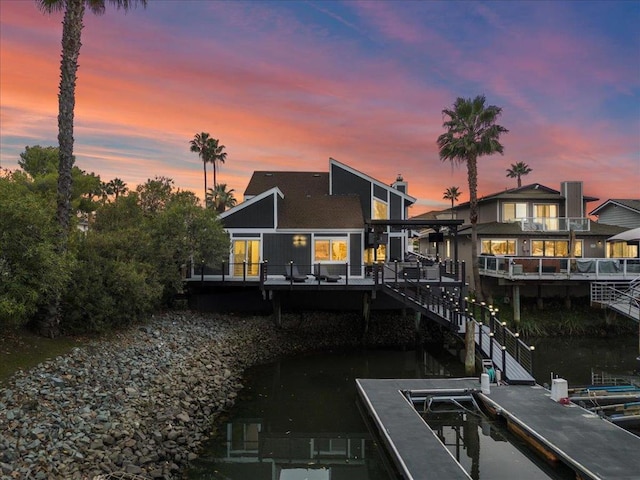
[
  {"x": 559, "y": 389},
  {"x": 484, "y": 384}
]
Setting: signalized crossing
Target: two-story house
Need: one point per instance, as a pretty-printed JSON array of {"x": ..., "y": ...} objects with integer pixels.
[
  {"x": 312, "y": 218},
  {"x": 538, "y": 240}
]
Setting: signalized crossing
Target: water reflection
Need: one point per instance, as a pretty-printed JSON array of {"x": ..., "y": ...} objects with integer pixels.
[{"x": 298, "y": 418}]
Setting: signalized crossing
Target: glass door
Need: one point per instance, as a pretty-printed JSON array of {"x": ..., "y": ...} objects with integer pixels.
[{"x": 246, "y": 254}]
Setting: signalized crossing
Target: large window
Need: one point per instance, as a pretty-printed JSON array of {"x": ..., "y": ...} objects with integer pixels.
[
  {"x": 380, "y": 210},
  {"x": 498, "y": 247},
  {"x": 512, "y": 212},
  {"x": 330, "y": 249},
  {"x": 546, "y": 214},
  {"x": 554, "y": 248},
  {"x": 622, "y": 250},
  {"x": 246, "y": 257}
]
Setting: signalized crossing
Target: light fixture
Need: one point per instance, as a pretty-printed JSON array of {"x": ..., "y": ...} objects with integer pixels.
[{"x": 299, "y": 240}]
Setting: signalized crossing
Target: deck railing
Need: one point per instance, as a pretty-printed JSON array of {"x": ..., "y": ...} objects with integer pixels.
[
  {"x": 554, "y": 224},
  {"x": 556, "y": 267}
]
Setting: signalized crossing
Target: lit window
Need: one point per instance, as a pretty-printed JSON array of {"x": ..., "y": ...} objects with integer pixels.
[
  {"x": 330, "y": 250},
  {"x": 547, "y": 214},
  {"x": 375, "y": 255},
  {"x": 554, "y": 248},
  {"x": 622, "y": 250},
  {"x": 498, "y": 247},
  {"x": 379, "y": 210},
  {"x": 512, "y": 212}
]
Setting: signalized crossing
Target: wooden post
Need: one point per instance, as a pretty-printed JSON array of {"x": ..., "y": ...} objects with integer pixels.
[
  {"x": 470, "y": 347},
  {"x": 277, "y": 309},
  {"x": 366, "y": 310},
  {"x": 516, "y": 304}
]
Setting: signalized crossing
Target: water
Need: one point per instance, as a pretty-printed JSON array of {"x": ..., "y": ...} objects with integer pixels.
[{"x": 298, "y": 418}]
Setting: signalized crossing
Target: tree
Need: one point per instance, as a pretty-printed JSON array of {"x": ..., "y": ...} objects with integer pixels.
[
  {"x": 154, "y": 194},
  {"x": 30, "y": 270},
  {"x": 202, "y": 145},
  {"x": 471, "y": 132},
  {"x": 221, "y": 198},
  {"x": 38, "y": 161},
  {"x": 117, "y": 187},
  {"x": 217, "y": 155},
  {"x": 72, "y": 26},
  {"x": 452, "y": 193},
  {"x": 518, "y": 170}
]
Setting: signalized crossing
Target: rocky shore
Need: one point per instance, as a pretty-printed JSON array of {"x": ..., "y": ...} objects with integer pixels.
[{"x": 142, "y": 402}]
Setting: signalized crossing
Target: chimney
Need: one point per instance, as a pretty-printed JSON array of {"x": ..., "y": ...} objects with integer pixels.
[
  {"x": 573, "y": 198},
  {"x": 400, "y": 184}
]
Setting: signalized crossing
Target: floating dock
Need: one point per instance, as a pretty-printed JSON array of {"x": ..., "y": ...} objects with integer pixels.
[{"x": 593, "y": 447}]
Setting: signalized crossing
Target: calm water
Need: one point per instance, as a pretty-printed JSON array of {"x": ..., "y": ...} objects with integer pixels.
[{"x": 298, "y": 419}]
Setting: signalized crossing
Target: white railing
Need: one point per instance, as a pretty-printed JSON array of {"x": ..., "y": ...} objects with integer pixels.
[
  {"x": 559, "y": 268},
  {"x": 554, "y": 224}
]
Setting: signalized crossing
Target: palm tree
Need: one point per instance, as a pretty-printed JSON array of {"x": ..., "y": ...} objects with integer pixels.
[
  {"x": 452, "y": 193},
  {"x": 518, "y": 170},
  {"x": 217, "y": 155},
  {"x": 471, "y": 132},
  {"x": 202, "y": 144},
  {"x": 118, "y": 187},
  {"x": 72, "y": 26},
  {"x": 221, "y": 198}
]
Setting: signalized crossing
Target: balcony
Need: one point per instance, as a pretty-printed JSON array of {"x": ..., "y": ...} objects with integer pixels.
[
  {"x": 554, "y": 224},
  {"x": 554, "y": 268}
]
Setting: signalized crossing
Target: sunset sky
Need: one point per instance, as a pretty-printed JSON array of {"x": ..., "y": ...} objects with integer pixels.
[{"x": 285, "y": 85}]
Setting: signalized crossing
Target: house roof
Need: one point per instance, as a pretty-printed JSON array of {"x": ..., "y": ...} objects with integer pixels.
[
  {"x": 629, "y": 203},
  {"x": 540, "y": 190},
  {"x": 306, "y": 202},
  {"x": 292, "y": 184},
  {"x": 320, "y": 212},
  {"x": 503, "y": 229}
]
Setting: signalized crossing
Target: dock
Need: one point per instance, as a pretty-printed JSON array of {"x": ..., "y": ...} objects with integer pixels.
[{"x": 593, "y": 447}]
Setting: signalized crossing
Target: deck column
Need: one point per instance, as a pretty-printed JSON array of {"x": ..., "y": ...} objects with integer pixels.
[
  {"x": 366, "y": 310},
  {"x": 516, "y": 303},
  {"x": 277, "y": 309}
]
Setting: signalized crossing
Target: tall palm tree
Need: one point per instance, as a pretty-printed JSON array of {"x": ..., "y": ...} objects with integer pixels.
[
  {"x": 72, "y": 26},
  {"x": 471, "y": 132},
  {"x": 217, "y": 155},
  {"x": 518, "y": 170},
  {"x": 221, "y": 198},
  {"x": 201, "y": 144},
  {"x": 452, "y": 193}
]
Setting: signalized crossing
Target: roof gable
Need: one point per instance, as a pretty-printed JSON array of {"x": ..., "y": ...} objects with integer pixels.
[{"x": 630, "y": 204}]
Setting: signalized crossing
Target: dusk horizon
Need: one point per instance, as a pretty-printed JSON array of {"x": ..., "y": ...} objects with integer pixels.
[{"x": 287, "y": 85}]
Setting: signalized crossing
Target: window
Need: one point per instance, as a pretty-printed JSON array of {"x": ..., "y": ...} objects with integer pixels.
[
  {"x": 512, "y": 212},
  {"x": 372, "y": 255},
  {"x": 622, "y": 250},
  {"x": 547, "y": 215},
  {"x": 330, "y": 249},
  {"x": 498, "y": 247},
  {"x": 380, "y": 210},
  {"x": 554, "y": 248}
]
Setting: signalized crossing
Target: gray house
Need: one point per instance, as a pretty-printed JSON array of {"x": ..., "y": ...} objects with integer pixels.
[
  {"x": 619, "y": 211},
  {"x": 313, "y": 218}
]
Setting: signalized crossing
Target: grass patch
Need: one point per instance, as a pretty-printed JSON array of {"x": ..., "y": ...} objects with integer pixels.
[
  {"x": 21, "y": 350},
  {"x": 555, "y": 319}
]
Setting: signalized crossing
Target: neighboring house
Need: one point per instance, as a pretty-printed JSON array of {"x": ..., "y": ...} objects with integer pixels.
[
  {"x": 528, "y": 234},
  {"x": 312, "y": 218},
  {"x": 619, "y": 211}
]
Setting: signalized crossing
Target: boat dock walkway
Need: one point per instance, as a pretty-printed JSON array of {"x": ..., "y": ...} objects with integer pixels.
[
  {"x": 414, "y": 447},
  {"x": 593, "y": 447}
]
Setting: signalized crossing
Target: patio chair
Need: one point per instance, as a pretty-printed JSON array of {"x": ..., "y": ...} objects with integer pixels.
[
  {"x": 321, "y": 273},
  {"x": 291, "y": 273}
]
